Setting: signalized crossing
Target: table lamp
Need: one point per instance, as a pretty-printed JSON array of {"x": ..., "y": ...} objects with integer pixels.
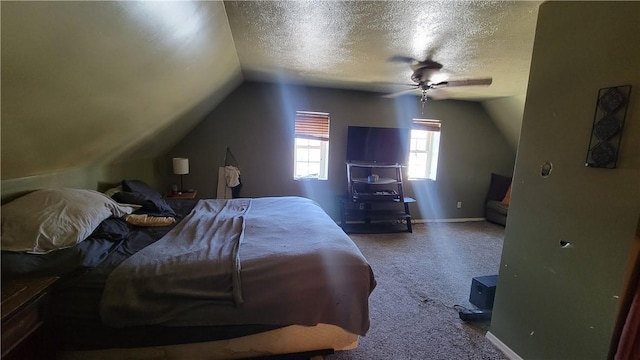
[{"x": 181, "y": 167}]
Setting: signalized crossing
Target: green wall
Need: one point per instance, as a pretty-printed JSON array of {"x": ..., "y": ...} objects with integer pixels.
[
  {"x": 554, "y": 302},
  {"x": 91, "y": 177},
  {"x": 89, "y": 83},
  {"x": 256, "y": 123}
]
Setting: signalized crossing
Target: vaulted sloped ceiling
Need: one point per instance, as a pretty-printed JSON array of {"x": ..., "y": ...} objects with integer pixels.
[{"x": 89, "y": 83}]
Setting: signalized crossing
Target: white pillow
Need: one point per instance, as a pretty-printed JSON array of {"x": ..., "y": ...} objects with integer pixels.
[{"x": 53, "y": 219}]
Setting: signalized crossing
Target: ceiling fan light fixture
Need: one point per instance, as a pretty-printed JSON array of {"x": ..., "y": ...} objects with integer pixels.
[
  {"x": 426, "y": 75},
  {"x": 438, "y": 78}
]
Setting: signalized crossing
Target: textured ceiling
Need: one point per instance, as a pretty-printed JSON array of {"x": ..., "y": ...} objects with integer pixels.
[{"x": 347, "y": 44}]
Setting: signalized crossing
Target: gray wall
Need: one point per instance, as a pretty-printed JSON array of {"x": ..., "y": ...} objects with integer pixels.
[
  {"x": 554, "y": 302},
  {"x": 256, "y": 123},
  {"x": 507, "y": 114}
]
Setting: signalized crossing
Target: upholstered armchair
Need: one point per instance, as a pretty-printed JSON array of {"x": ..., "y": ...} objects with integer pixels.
[{"x": 498, "y": 197}]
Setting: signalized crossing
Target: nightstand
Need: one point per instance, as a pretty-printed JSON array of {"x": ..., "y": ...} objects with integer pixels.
[
  {"x": 182, "y": 196},
  {"x": 24, "y": 303}
]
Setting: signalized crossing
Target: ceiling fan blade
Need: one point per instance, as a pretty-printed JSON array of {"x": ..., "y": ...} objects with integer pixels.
[
  {"x": 395, "y": 84},
  {"x": 467, "y": 82},
  {"x": 403, "y": 59},
  {"x": 400, "y": 93},
  {"x": 427, "y": 64}
]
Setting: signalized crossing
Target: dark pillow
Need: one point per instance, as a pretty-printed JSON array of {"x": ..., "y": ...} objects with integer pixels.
[
  {"x": 140, "y": 187},
  {"x": 498, "y": 187},
  {"x": 151, "y": 205},
  {"x": 88, "y": 254}
]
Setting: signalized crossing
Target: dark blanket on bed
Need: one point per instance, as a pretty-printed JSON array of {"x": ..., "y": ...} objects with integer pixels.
[
  {"x": 74, "y": 303},
  {"x": 277, "y": 261}
]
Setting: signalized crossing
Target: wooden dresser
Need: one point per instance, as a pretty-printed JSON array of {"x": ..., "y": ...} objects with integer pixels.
[{"x": 24, "y": 303}]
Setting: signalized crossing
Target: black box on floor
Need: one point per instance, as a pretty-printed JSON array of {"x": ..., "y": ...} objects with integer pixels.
[{"x": 483, "y": 291}]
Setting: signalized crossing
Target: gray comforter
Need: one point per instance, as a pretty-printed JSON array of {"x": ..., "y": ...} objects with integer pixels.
[{"x": 277, "y": 261}]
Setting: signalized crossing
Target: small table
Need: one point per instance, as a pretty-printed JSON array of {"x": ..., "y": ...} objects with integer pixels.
[
  {"x": 358, "y": 216},
  {"x": 24, "y": 303},
  {"x": 182, "y": 196}
]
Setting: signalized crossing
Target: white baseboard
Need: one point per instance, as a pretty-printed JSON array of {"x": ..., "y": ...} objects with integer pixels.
[
  {"x": 502, "y": 347},
  {"x": 424, "y": 221},
  {"x": 455, "y": 220}
]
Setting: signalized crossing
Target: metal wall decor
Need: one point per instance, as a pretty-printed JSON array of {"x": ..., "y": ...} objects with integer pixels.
[{"x": 608, "y": 122}]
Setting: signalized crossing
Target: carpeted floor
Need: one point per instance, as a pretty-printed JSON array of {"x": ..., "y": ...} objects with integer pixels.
[{"x": 421, "y": 276}]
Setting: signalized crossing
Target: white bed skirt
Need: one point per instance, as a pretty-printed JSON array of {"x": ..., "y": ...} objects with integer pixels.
[{"x": 286, "y": 340}]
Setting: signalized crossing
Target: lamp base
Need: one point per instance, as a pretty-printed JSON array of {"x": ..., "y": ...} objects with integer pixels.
[{"x": 181, "y": 184}]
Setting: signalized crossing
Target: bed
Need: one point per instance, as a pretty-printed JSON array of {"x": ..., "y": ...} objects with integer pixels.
[{"x": 220, "y": 279}]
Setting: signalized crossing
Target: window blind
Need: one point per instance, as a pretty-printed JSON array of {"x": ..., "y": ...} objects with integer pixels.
[
  {"x": 425, "y": 124},
  {"x": 312, "y": 125}
]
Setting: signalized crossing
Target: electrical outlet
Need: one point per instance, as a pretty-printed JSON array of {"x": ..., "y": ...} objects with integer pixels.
[{"x": 459, "y": 205}]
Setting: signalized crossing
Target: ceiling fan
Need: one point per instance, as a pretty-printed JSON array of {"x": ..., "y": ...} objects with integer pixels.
[{"x": 423, "y": 76}]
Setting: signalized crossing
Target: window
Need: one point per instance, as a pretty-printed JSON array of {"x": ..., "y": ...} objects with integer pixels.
[
  {"x": 311, "y": 153},
  {"x": 423, "y": 152}
]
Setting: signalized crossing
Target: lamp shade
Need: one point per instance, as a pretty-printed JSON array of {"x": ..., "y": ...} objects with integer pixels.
[{"x": 180, "y": 166}]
